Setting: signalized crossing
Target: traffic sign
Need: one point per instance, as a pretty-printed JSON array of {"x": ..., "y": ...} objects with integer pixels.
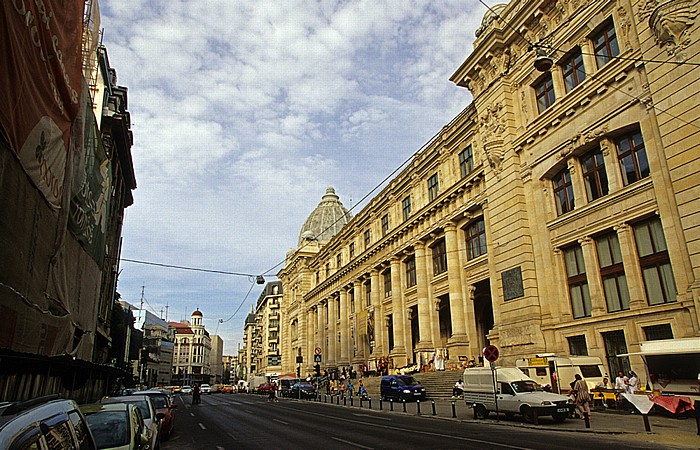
[
  {"x": 318, "y": 350},
  {"x": 490, "y": 353},
  {"x": 317, "y": 358}
]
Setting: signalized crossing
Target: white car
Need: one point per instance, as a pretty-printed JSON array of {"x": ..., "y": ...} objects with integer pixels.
[
  {"x": 205, "y": 389},
  {"x": 186, "y": 390},
  {"x": 151, "y": 419}
]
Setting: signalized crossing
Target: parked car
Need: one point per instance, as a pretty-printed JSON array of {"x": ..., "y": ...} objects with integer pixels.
[
  {"x": 302, "y": 390},
  {"x": 205, "y": 389},
  {"x": 151, "y": 418},
  {"x": 176, "y": 389},
  {"x": 264, "y": 388},
  {"x": 117, "y": 426},
  {"x": 186, "y": 390},
  {"x": 44, "y": 422},
  {"x": 226, "y": 389},
  {"x": 163, "y": 404},
  {"x": 401, "y": 388},
  {"x": 286, "y": 385},
  {"x": 215, "y": 389}
]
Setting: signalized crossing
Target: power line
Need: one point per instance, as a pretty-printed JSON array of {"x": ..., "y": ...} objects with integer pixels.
[{"x": 195, "y": 269}]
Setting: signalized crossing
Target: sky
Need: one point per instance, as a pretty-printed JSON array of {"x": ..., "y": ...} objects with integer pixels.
[{"x": 244, "y": 112}]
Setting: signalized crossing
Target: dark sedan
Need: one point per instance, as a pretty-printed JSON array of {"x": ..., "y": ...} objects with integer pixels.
[{"x": 302, "y": 390}]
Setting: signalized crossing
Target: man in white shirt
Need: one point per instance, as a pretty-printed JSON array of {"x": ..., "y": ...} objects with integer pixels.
[{"x": 621, "y": 381}]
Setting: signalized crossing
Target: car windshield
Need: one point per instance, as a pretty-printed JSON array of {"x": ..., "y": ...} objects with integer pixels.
[
  {"x": 109, "y": 428},
  {"x": 143, "y": 407},
  {"x": 408, "y": 381},
  {"x": 159, "y": 401},
  {"x": 525, "y": 386}
]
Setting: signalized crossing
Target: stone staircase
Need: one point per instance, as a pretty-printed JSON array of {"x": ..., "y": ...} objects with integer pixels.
[{"x": 437, "y": 384}]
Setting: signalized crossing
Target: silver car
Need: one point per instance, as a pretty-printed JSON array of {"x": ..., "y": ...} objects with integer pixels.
[{"x": 150, "y": 417}]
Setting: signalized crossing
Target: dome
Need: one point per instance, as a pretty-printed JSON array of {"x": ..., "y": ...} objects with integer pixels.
[
  {"x": 491, "y": 14},
  {"x": 326, "y": 220},
  {"x": 197, "y": 313}
]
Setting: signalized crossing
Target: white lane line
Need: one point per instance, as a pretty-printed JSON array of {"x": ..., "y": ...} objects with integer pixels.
[
  {"x": 281, "y": 421},
  {"x": 192, "y": 414},
  {"x": 218, "y": 447},
  {"x": 202, "y": 426},
  {"x": 354, "y": 444},
  {"x": 232, "y": 436}
]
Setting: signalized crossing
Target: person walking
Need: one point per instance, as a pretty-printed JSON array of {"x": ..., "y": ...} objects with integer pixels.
[
  {"x": 196, "y": 395},
  {"x": 581, "y": 396},
  {"x": 350, "y": 388}
]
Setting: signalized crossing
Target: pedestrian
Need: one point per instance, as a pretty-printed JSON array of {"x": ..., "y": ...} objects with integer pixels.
[
  {"x": 581, "y": 396},
  {"x": 621, "y": 381},
  {"x": 196, "y": 397},
  {"x": 632, "y": 383},
  {"x": 350, "y": 388},
  {"x": 458, "y": 388}
]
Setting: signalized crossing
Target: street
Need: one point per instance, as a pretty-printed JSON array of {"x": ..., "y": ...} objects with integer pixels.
[{"x": 250, "y": 421}]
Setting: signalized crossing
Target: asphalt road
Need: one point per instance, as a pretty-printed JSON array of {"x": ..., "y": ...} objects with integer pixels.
[{"x": 242, "y": 421}]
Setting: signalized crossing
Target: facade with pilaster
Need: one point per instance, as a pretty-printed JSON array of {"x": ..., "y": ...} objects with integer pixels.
[{"x": 556, "y": 214}]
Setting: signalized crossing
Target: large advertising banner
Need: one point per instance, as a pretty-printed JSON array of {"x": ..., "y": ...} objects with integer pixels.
[{"x": 40, "y": 82}]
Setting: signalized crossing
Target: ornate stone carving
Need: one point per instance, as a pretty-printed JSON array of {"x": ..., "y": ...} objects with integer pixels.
[
  {"x": 645, "y": 98},
  {"x": 669, "y": 22},
  {"x": 624, "y": 26}
]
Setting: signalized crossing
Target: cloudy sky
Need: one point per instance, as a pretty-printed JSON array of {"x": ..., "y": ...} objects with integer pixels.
[{"x": 243, "y": 112}]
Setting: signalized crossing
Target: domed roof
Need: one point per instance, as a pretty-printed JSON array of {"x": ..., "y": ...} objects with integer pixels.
[
  {"x": 326, "y": 220},
  {"x": 197, "y": 313},
  {"x": 491, "y": 14}
]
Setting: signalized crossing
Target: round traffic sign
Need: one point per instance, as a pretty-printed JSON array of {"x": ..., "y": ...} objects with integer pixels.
[
  {"x": 318, "y": 350},
  {"x": 490, "y": 353}
]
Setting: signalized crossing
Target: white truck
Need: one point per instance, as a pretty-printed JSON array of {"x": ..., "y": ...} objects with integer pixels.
[
  {"x": 516, "y": 394},
  {"x": 559, "y": 371}
]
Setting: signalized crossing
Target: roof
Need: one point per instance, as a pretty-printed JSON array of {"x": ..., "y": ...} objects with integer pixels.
[
  {"x": 197, "y": 313},
  {"x": 327, "y": 219}
]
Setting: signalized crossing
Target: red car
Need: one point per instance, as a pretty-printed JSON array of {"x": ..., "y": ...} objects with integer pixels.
[
  {"x": 264, "y": 388},
  {"x": 163, "y": 404}
]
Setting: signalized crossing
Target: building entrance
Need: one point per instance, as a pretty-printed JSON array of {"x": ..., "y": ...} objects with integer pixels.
[{"x": 483, "y": 312}]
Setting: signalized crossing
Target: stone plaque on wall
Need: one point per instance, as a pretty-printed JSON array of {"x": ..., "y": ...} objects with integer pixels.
[{"x": 512, "y": 281}]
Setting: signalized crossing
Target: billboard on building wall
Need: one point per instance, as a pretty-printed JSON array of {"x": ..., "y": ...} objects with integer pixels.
[{"x": 40, "y": 81}]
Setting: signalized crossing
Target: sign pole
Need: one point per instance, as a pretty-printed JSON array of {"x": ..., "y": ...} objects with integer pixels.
[{"x": 495, "y": 388}]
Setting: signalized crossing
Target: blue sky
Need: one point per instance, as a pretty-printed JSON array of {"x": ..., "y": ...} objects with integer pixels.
[{"x": 243, "y": 112}]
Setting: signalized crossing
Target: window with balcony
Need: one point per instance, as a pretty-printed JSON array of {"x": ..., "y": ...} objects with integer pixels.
[
  {"x": 410, "y": 271},
  {"x": 433, "y": 187},
  {"x": 572, "y": 69},
  {"x": 655, "y": 263},
  {"x": 544, "y": 92},
  {"x": 605, "y": 44},
  {"x": 386, "y": 275},
  {"x": 612, "y": 272},
  {"x": 466, "y": 161},
  {"x": 577, "y": 282},
  {"x": 475, "y": 235},
  {"x": 406, "y": 207},
  {"x": 594, "y": 175},
  {"x": 385, "y": 224},
  {"x": 563, "y": 192},
  {"x": 439, "y": 257},
  {"x": 633, "y": 157}
]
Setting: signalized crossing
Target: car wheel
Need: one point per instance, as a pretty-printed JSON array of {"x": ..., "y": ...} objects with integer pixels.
[
  {"x": 528, "y": 414},
  {"x": 480, "y": 412},
  {"x": 560, "y": 417}
]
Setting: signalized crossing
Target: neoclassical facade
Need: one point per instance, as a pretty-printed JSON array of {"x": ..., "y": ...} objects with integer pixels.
[
  {"x": 558, "y": 213},
  {"x": 191, "y": 359}
]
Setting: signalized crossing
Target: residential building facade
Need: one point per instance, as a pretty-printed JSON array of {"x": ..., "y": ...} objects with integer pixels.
[
  {"x": 191, "y": 359},
  {"x": 556, "y": 214}
]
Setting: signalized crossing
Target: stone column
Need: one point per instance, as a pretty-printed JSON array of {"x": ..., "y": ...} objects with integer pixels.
[
  {"x": 425, "y": 342},
  {"x": 612, "y": 165},
  {"x": 377, "y": 307},
  {"x": 454, "y": 274},
  {"x": 310, "y": 337},
  {"x": 398, "y": 353},
  {"x": 344, "y": 328},
  {"x": 595, "y": 286},
  {"x": 577, "y": 183},
  {"x": 332, "y": 333},
  {"x": 358, "y": 353},
  {"x": 630, "y": 261},
  {"x": 321, "y": 330}
]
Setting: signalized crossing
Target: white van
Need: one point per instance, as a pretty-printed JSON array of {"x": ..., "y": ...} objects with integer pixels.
[
  {"x": 559, "y": 371},
  {"x": 517, "y": 394}
]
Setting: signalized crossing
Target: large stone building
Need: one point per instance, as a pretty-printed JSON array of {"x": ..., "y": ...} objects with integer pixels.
[
  {"x": 556, "y": 214},
  {"x": 191, "y": 358}
]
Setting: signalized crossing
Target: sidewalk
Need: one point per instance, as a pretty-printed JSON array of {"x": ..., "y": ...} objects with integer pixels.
[{"x": 668, "y": 431}]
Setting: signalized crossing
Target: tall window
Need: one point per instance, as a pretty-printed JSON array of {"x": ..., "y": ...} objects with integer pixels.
[
  {"x": 605, "y": 44},
  {"x": 406, "y": 205},
  {"x": 339, "y": 260},
  {"x": 577, "y": 345},
  {"x": 475, "y": 235},
  {"x": 573, "y": 70},
  {"x": 439, "y": 257},
  {"x": 385, "y": 224},
  {"x": 656, "y": 265},
  {"x": 410, "y": 271},
  {"x": 594, "y": 174},
  {"x": 328, "y": 269},
  {"x": 544, "y": 91},
  {"x": 368, "y": 236},
  {"x": 563, "y": 192},
  {"x": 368, "y": 294},
  {"x": 433, "y": 187},
  {"x": 612, "y": 272},
  {"x": 352, "y": 250},
  {"x": 633, "y": 157},
  {"x": 387, "y": 283},
  {"x": 577, "y": 281},
  {"x": 658, "y": 332},
  {"x": 466, "y": 161}
]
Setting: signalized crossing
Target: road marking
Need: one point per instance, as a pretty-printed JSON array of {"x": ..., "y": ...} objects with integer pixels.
[
  {"x": 281, "y": 421},
  {"x": 354, "y": 444},
  {"x": 192, "y": 414},
  {"x": 373, "y": 417},
  {"x": 232, "y": 436},
  {"x": 202, "y": 426},
  {"x": 218, "y": 447}
]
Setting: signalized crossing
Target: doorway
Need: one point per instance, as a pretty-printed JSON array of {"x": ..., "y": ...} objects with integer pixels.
[{"x": 483, "y": 312}]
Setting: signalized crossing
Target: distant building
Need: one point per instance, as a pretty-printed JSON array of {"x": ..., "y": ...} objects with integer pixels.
[
  {"x": 230, "y": 364},
  {"x": 216, "y": 363},
  {"x": 263, "y": 335},
  {"x": 192, "y": 351}
]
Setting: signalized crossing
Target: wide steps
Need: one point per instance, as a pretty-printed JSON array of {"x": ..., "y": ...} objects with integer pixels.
[{"x": 436, "y": 384}]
